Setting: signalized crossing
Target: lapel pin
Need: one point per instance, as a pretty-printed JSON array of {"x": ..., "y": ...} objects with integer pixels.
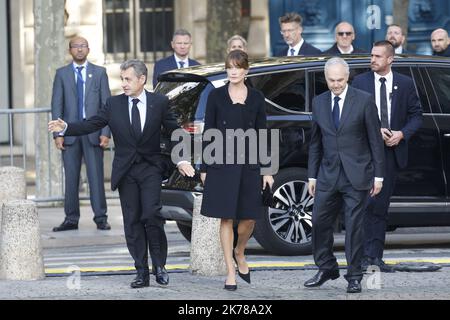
[
  {"x": 90, "y": 75},
  {"x": 395, "y": 87}
]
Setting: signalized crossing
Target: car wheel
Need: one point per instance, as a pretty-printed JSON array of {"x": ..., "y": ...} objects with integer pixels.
[
  {"x": 286, "y": 228},
  {"x": 186, "y": 230}
]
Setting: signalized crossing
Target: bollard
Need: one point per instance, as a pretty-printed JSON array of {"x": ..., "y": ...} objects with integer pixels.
[
  {"x": 12, "y": 184},
  {"x": 20, "y": 242},
  {"x": 206, "y": 250}
]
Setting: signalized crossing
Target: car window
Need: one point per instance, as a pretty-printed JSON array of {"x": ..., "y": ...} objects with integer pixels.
[
  {"x": 285, "y": 91},
  {"x": 403, "y": 70},
  {"x": 421, "y": 84},
  {"x": 440, "y": 80}
]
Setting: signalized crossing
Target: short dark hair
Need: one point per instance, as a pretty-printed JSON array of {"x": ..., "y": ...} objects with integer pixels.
[
  {"x": 139, "y": 67},
  {"x": 291, "y": 17},
  {"x": 387, "y": 44},
  {"x": 237, "y": 58}
]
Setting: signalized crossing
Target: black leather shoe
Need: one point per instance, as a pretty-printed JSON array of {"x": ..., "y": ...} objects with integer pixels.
[
  {"x": 321, "y": 277},
  {"x": 162, "y": 277},
  {"x": 244, "y": 276},
  {"x": 354, "y": 286},
  {"x": 230, "y": 287},
  {"x": 140, "y": 281},
  {"x": 382, "y": 266},
  {"x": 103, "y": 226},
  {"x": 66, "y": 225}
]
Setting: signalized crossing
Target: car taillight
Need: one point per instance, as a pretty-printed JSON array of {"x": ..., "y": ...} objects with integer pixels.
[{"x": 195, "y": 127}]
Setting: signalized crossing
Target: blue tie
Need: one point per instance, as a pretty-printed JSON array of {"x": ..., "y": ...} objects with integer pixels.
[
  {"x": 181, "y": 64},
  {"x": 336, "y": 112},
  {"x": 80, "y": 92},
  {"x": 292, "y": 52}
]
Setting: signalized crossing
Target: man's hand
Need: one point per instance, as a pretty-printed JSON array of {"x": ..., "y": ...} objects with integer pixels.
[
  {"x": 386, "y": 134},
  {"x": 186, "y": 169},
  {"x": 312, "y": 187},
  {"x": 203, "y": 177},
  {"x": 395, "y": 139},
  {"x": 59, "y": 142},
  {"x": 104, "y": 142},
  {"x": 376, "y": 188},
  {"x": 56, "y": 125}
]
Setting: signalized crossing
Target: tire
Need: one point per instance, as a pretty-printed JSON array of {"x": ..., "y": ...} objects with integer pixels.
[
  {"x": 286, "y": 228},
  {"x": 185, "y": 229}
]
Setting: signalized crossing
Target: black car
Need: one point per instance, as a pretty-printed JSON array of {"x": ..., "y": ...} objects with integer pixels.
[{"x": 421, "y": 196}]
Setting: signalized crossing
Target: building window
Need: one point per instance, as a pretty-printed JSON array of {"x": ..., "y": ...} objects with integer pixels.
[{"x": 138, "y": 29}]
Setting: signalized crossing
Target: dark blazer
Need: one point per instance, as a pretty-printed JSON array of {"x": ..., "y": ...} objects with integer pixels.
[
  {"x": 305, "y": 50},
  {"x": 406, "y": 111},
  {"x": 127, "y": 146},
  {"x": 335, "y": 51},
  {"x": 445, "y": 53},
  {"x": 167, "y": 64},
  {"x": 356, "y": 144},
  {"x": 65, "y": 100}
]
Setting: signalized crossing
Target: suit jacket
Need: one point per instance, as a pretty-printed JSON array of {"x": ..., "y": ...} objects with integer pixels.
[
  {"x": 356, "y": 145},
  {"x": 406, "y": 112},
  {"x": 335, "y": 51},
  {"x": 305, "y": 50},
  {"x": 65, "y": 99},
  {"x": 445, "y": 53},
  {"x": 128, "y": 147},
  {"x": 167, "y": 64}
]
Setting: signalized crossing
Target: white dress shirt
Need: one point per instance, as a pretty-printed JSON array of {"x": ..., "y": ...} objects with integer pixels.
[
  {"x": 389, "y": 81},
  {"x": 186, "y": 61},
  {"x": 296, "y": 48},
  {"x": 346, "y": 52},
  {"x": 142, "y": 107}
]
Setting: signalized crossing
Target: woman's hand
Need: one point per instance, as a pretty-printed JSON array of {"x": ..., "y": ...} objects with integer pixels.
[{"x": 267, "y": 180}]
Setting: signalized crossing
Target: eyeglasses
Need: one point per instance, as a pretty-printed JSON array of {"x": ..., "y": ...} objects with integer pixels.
[
  {"x": 341, "y": 34},
  {"x": 78, "y": 46},
  {"x": 288, "y": 31}
]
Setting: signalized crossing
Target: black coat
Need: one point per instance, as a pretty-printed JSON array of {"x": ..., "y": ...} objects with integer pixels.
[
  {"x": 115, "y": 114},
  {"x": 335, "y": 51},
  {"x": 233, "y": 191},
  {"x": 305, "y": 50}
]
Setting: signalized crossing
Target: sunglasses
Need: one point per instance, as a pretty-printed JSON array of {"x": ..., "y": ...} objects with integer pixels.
[{"x": 348, "y": 34}]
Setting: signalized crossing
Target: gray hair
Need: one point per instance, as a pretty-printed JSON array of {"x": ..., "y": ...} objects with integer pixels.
[
  {"x": 138, "y": 66},
  {"x": 181, "y": 32},
  {"x": 335, "y": 61},
  {"x": 237, "y": 37}
]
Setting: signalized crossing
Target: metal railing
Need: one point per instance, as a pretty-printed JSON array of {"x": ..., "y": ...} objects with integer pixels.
[{"x": 17, "y": 152}]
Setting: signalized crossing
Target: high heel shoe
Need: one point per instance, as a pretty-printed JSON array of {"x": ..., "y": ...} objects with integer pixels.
[
  {"x": 230, "y": 287},
  {"x": 244, "y": 276}
]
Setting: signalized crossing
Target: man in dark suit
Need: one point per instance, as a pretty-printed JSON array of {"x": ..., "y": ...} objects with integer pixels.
[
  {"x": 401, "y": 116},
  {"x": 181, "y": 45},
  {"x": 394, "y": 35},
  {"x": 135, "y": 119},
  {"x": 344, "y": 34},
  {"x": 80, "y": 89},
  {"x": 291, "y": 29},
  {"x": 440, "y": 43},
  {"x": 345, "y": 164}
]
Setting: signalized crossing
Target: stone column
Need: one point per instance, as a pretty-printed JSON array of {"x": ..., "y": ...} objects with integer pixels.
[
  {"x": 12, "y": 184},
  {"x": 20, "y": 242},
  {"x": 206, "y": 251},
  {"x": 49, "y": 52}
]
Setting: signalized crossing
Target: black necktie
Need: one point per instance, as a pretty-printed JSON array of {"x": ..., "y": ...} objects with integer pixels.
[
  {"x": 80, "y": 93},
  {"x": 292, "y": 52},
  {"x": 383, "y": 104},
  {"x": 336, "y": 112},
  {"x": 136, "y": 118}
]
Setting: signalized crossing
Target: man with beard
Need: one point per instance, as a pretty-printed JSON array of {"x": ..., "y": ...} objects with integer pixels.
[
  {"x": 440, "y": 43},
  {"x": 395, "y": 36}
]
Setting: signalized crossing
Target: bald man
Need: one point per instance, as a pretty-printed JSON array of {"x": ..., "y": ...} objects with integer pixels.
[
  {"x": 440, "y": 43},
  {"x": 80, "y": 90},
  {"x": 344, "y": 35}
]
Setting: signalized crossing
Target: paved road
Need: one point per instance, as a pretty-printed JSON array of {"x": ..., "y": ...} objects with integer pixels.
[{"x": 273, "y": 277}]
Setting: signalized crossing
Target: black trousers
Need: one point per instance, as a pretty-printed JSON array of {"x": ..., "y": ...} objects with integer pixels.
[
  {"x": 376, "y": 215},
  {"x": 140, "y": 198},
  {"x": 327, "y": 206}
]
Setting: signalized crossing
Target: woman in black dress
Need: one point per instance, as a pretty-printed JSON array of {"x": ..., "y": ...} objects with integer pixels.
[{"x": 233, "y": 191}]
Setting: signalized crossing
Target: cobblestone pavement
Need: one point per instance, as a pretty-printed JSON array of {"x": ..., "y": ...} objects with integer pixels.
[{"x": 266, "y": 285}]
